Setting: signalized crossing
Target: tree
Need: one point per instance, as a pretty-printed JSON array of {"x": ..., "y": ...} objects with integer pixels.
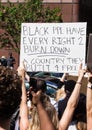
[{"x": 12, "y": 15}]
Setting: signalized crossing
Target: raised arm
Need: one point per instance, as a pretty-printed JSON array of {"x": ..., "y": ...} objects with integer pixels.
[
  {"x": 45, "y": 122},
  {"x": 72, "y": 102},
  {"x": 89, "y": 102},
  {"x": 64, "y": 77},
  {"x": 24, "y": 123}
]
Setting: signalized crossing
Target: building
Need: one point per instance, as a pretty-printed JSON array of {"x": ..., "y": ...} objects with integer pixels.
[{"x": 72, "y": 11}]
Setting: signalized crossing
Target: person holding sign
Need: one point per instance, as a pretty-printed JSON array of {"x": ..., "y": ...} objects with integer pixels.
[
  {"x": 68, "y": 113},
  {"x": 45, "y": 122},
  {"x": 36, "y": 100},
  {"x": 72, "y": 102}
]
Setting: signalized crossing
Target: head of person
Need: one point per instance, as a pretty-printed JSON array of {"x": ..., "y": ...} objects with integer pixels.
[
  {"x": 37, "y": 84},
  {"x": 3, "y": 61},
  {"x": 10, "y": 92},
  {"x": 3, "y": 57},
  {"x": 69, "y": 86}
]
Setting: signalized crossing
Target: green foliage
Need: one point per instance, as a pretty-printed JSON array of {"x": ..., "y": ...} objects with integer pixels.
[{"x": 12, "y": 15}]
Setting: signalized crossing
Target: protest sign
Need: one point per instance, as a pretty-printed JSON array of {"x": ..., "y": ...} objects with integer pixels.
[{"x": 53, "y": 47}]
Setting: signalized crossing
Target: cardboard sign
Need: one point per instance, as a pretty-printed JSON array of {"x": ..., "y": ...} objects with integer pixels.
[
  {"x": 89, "y": 53},
  {"x": 53, "y": 47}
]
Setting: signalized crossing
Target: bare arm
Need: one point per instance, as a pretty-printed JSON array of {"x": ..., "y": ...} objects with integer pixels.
[
  {"x": 89, "y": 102},
  {"x": 72, "y": 102},
  {"x": 24, "y": 123},
  {"x": 64, "y": 77},
  {"x": 45, "y": 122}
]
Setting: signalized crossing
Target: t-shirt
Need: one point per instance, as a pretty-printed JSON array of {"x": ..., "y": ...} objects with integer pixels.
[
  {"x": 80, "y": 111},
  {"x": 10, "y": 61}
]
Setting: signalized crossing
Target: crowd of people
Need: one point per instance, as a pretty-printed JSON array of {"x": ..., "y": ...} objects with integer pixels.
[
  {"x": 7, "y": 61},
  {"x": 32, "y": 109}
]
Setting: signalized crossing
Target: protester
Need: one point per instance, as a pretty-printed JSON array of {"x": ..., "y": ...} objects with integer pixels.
[
  {"x": 36, "y": 98},
  {"x": 80, "y": 111},
  {"x": 68, "y": 113},
  {"x": 10, "y": 95},
  {"x": 60, "y": 93},
  {"x": 45, "y": 121},
  {"x": 72, "y": 102},
  {"x": 3, "y": 61},
  {"x": 68, "y": 88},
  {"x": 49, "y": 108},
  {"x": 23, "y": 110},
  {"x": 69, "y": 110},
  {"x": 10, "y": 61},
  {"x": 39, "y": 84}
]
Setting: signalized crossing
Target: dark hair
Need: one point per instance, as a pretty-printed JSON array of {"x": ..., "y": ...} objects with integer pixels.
[
  {"x": 10, "y": 92},
  {"x": 80, "y": 111},
  {"x": 69, "y": 85},
  {"x": 37, "y": 84}
]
